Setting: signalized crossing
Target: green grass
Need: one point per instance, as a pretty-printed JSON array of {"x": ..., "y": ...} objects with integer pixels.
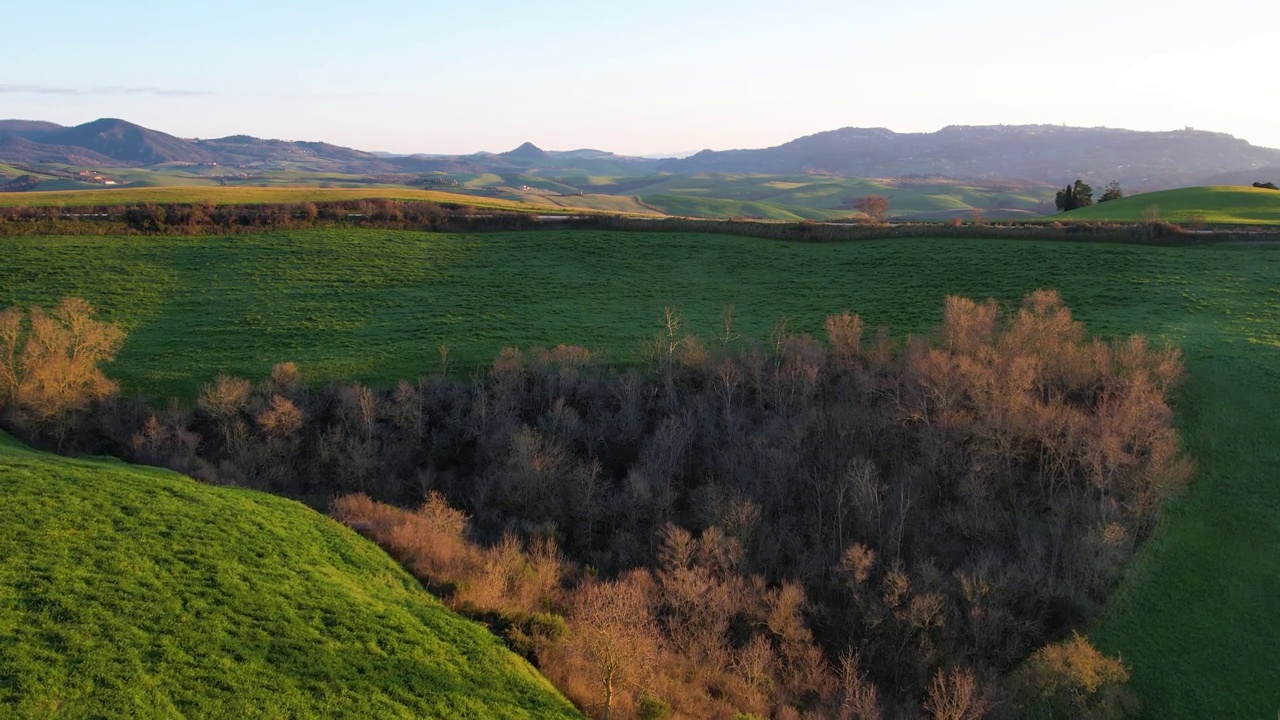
[
  {"x": 250, "y": 195},
  {"x": 1219, "y": 204},
  {"x": 135, "y": 592},
  {"x": 1198, "y": 619},
  {"x": 622, "y": 204},
  {"x": 688, "y": 206},
  {"x": 820, "y": 197},
  {"x": 716, "y": 195}
]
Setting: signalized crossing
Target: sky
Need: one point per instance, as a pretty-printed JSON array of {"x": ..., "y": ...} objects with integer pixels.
[{"x": 662, "y": 76}]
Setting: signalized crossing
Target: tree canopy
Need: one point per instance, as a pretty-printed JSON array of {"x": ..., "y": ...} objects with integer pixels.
[
  {"x": 1113, "y": 191},
  {"x": 1074, "y": 196}
]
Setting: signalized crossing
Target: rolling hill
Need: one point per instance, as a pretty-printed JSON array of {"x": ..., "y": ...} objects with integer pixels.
[
  {"x": 136, "y": 592},
  {"x": 1046, "y": 154},
  {"x": 1221, "y": 204},
  {"x": 27, "y": 128},
  {"x": 18, "y": 148},
  {"x": 1195, "y": 618}
]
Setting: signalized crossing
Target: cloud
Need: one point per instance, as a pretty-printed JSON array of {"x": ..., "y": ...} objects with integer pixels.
[{"x": 104, "y": 90}]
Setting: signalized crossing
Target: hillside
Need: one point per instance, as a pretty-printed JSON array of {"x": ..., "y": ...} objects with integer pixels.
[
  {"x": 1047, "y": 153},
  {"x": 135, "y": 592},
  {"x": 1225, "y": 204},
  {"x": 20, "y": 149},
  {"x": 822, "y": 197},
  {"x": 127, "y": 143},
  {"x": 27, "y": 128},
  {"x": 249, "y": 195},
  {"x": 245, "y": 151},
  {"x": 376, "y": 305}
]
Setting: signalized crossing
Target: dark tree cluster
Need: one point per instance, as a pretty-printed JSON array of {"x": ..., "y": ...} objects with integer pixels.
[
  {"x": 848, "y": 527},
  {"x": 22, "y": 183},
  {"x": 1266, "y": 185},
  {"x": 203, "y": 218},
  {"x": 1074, "y": 196},
  {"x": 1113, "y": 191}
]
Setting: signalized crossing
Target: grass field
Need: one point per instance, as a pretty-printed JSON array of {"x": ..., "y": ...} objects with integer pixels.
[
  {"x": 250, "y": 195},
  {"x": 709, "y": 207},
  {"x": 791, "y": 198},
  {"x": 1198, "y": 619},
  {"x": 1220, "y": 204},
  {"x": 823, "y": 198},
  {"x": 135, "y": 592}
]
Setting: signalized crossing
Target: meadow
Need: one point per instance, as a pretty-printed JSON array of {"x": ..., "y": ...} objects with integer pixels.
[
  {"x": 1196, "y": 617},
  {"x": 818, "y": 197},
  {"x": 249, "y": 195},
  {"x": 714, "y": 195},
  {"x": 1215, "y": 205},
  {"x": 136, "y": 592}
]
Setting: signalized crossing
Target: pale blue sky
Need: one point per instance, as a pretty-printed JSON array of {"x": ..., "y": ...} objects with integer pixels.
[{"x": 637, "y": 78}]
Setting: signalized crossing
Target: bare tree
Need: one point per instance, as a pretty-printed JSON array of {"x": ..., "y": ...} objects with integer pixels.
[
  {"x": 875, "y": 207},
  {"x": 49, "y": 364},
  {"x": 616, "y": 634},
  {"x": 955, "y": 695}
]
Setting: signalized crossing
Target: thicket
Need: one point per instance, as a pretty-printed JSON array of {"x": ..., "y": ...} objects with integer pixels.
[
  {"x": 1153, "y": 232},
  {"x": 207, "y": 218},
  {"x": 851, "y": 527}
]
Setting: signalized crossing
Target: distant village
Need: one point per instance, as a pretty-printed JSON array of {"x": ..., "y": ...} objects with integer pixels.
[{"x": 94, "y": 177}]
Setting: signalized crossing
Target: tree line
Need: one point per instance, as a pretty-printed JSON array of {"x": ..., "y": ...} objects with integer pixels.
[
  {"x": 1080, "y": 194},
  {"x": 205, "y": 219},
  {"x": 208, "y": 218},
  {"x": 851, "y": 526}
]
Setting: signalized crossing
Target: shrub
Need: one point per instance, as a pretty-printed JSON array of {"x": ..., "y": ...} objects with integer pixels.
[
  {"x": 49, "y": 362},
  {"x": 1072, "y": 679},
  {"x": 652, "y": 708}
]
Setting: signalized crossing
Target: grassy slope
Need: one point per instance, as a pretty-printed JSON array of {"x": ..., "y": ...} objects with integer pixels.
[
  {"x": 708, "y": 195},
  {"x": 820, "y": 197},
  {"x": 1217, "y": 204},
  {"x": 135, "y": 592},
  {"x": 605, "y": 203},
  {"x": 1197, "y": 621},
  {"x": 248, "y": 195},
  {"x": 684, "y": 205}
]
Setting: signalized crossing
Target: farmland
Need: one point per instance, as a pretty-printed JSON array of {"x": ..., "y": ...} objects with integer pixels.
[
  {"x": 1195, "y": 620},
  {"x": 135, "y": 592},
  {"x": 713, "y": 195},
  {"x": 1226, "y": 205},
  {"x": 249, "y": 195}
]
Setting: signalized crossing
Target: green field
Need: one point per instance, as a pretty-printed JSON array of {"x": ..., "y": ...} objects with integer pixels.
[
  {"x": 135, "y": 592},
  {"x": 1220, "y": 204},
  {"x": 710, "y": 207},
  {"x": 715, "y": 195},
  {"x": 1198, "y": 619},
  {"x": 234, "y": 195},
  {"x": 809, "y": 197}
]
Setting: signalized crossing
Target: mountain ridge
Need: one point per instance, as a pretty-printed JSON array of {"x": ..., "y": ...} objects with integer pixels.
[{"x": 1048, "y": 154}]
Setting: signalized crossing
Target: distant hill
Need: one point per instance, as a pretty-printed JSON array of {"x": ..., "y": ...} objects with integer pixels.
[
  {"x": 529, "y": 159},
  {"x": 112, "y": 142},
  {"x": 1246, "y": 177},
  {"x": 1047, "y": 153},
  {"x": 129, "y": 143},
  {"x": 27, "y": 128},
  {"x": 527, "y": 151},
  {"x": 135, "y": 592},
  {"x": 15, "y": 148},
  {"x": 246, "y": 151}
]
